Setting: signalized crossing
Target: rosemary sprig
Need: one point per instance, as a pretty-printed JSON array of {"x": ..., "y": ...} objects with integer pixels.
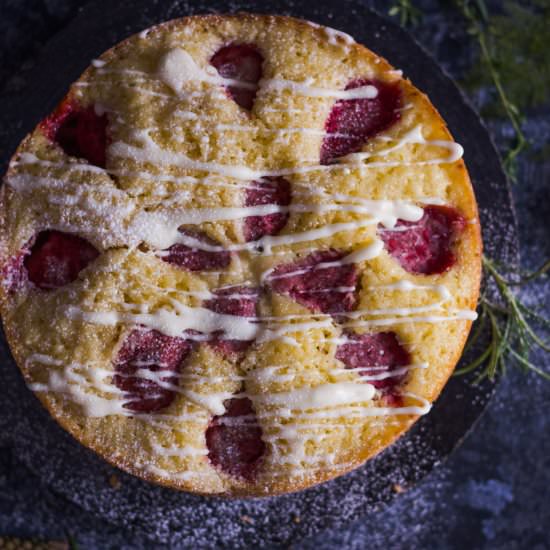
[
  {"x": 516, "y": 41},
  {"x": 519, "y": 46},
  {"x": 476, "y": 14},
  {"x": 509, "y": 322},
  {"x": 408, "y": 13}
]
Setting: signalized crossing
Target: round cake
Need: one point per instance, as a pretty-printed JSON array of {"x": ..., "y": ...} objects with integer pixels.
[{"x": 241, "y": 257}]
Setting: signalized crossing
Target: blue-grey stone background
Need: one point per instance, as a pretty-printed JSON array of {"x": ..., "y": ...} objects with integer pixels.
[{"x": 491, "y": 494}]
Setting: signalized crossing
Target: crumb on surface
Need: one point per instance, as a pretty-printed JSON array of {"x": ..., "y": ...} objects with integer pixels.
[
  {"x": 397, "y": 488},
  {"x": 114, "y": 482},
  {"x": 247, "y": 519}
]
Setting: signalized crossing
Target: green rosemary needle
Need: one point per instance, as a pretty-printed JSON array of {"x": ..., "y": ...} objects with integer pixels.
[
  {"x": 476, "y": 14},
  {"x": 508, "y": 324},
  {"x": 408, "y": 14}
]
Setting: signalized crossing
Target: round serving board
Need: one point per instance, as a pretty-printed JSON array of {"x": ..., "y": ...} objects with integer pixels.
[{"x": 172, "y": 517}]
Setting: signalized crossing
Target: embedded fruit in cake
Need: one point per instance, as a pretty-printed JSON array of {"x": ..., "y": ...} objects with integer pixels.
[
  {"x": 375, "y": 355},
  {"x": 242, "y": 63},
  {"x": 206, "y": 255},
  {"x": 426, "y": 246},
  {"x": 240, "y": 301},
  {"x": 352, "y": 122},
  {"x": 234, "y": 439},
  {"x": 147, "y": 368},
  {"x": 269, "y": 190},
  {"x": 319, "y": 281},
  {"x": 79, "y": 131},
  {"x": 56, "y": 258}
]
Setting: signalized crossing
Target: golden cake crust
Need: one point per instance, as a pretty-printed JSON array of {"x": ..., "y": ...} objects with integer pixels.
[{"x": 33, "y": 321}]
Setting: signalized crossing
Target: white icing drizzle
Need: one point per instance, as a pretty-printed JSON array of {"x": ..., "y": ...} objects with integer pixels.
[
  {"x": 27, "y": 158},
  {"x": 70, "y": 383},
  {"x": 362, "y": 254},
  {"x": 178, "y": 451},
  {"x": 306, "y": 89},
  {"x": 211, "y": 401},
  {"x": 182, "y": 476},
  {"x": 344, "y": 400},
  {"x": 405, "y": 285},
  {"x": 322, "y": 396},
  {"x": 325, "y": 395},
  {"x": 160, "y": 228},
  {"x": 411, "y": 137},
  {"x": 289, "y": 418},
  {"x": 403, "y": 317},
  {"x": 151, "y": 152},
  {"x": 336, "y": 37},
  {"x": 455, "y": 315},
  {"x": 351, "y": 411},
  {"x": 174, "y": 323},
  {"x": 177, "y": 68},
  {"x": 288, "y": 441},
  {"x": 262, "y": 329}
]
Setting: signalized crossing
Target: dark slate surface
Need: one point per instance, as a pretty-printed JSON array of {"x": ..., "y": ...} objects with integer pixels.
[{"x": 491, "y": 494}]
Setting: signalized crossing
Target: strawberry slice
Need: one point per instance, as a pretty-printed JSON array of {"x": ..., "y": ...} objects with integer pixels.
[
  {"x": 374, "y": 354},
  {"x": 242, "y": 62},
  {"x": 234, "y": 439},
  {"x": 56, "y": 258},
  {"x": 240, "y": 301},
  {"x": 79, "y": 131},
  {"x": 352, "y": 122},
  {"x": 270, "y": 190},
  {"x": 425, "y": 247},
  {"x": 197, "y": 259},
  {"x": 151, "y": 352},
  {"x": 322, "y": 288}
]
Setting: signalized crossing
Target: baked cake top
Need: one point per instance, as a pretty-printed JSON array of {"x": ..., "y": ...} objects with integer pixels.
[{"x": 241, "y": 256}]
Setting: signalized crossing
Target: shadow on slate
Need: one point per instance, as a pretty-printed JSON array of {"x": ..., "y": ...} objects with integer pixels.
[{"x": 172, "y": 517}]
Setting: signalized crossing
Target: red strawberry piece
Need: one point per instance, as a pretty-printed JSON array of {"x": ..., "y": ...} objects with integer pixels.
[
  {"x": 13, "y": 275},
  {"x": 79, "y": 131},
  {"x": 320, "y": 288},
  {"x": 352, "y": 122},
  {"x": 393, "y": 400},
  {"x": 425, "y": 247},
  {"x": 234, "y": 300},
  {"x": 234, "y": 439},
  {"x": 197, "y": 259},
  {"x": 270, "y": 190},
  {"x": 374, "y": 354},
  {"x": 240, "y": 301},
  {"x": 241, "y": 62},
  {"x": 56, "y": 258},
  {"x": 50, "y": 125},
  {"x": 154, "y": 352}
]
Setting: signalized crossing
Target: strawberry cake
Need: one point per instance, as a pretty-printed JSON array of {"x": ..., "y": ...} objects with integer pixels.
[{"x": 241, "y": 256}]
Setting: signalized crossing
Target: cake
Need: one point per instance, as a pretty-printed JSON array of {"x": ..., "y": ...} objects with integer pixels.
[{"x": 241, "y": 257}]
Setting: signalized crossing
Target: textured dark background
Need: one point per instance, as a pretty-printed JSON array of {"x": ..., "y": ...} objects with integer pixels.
[{"x": 491, "y": 494}]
